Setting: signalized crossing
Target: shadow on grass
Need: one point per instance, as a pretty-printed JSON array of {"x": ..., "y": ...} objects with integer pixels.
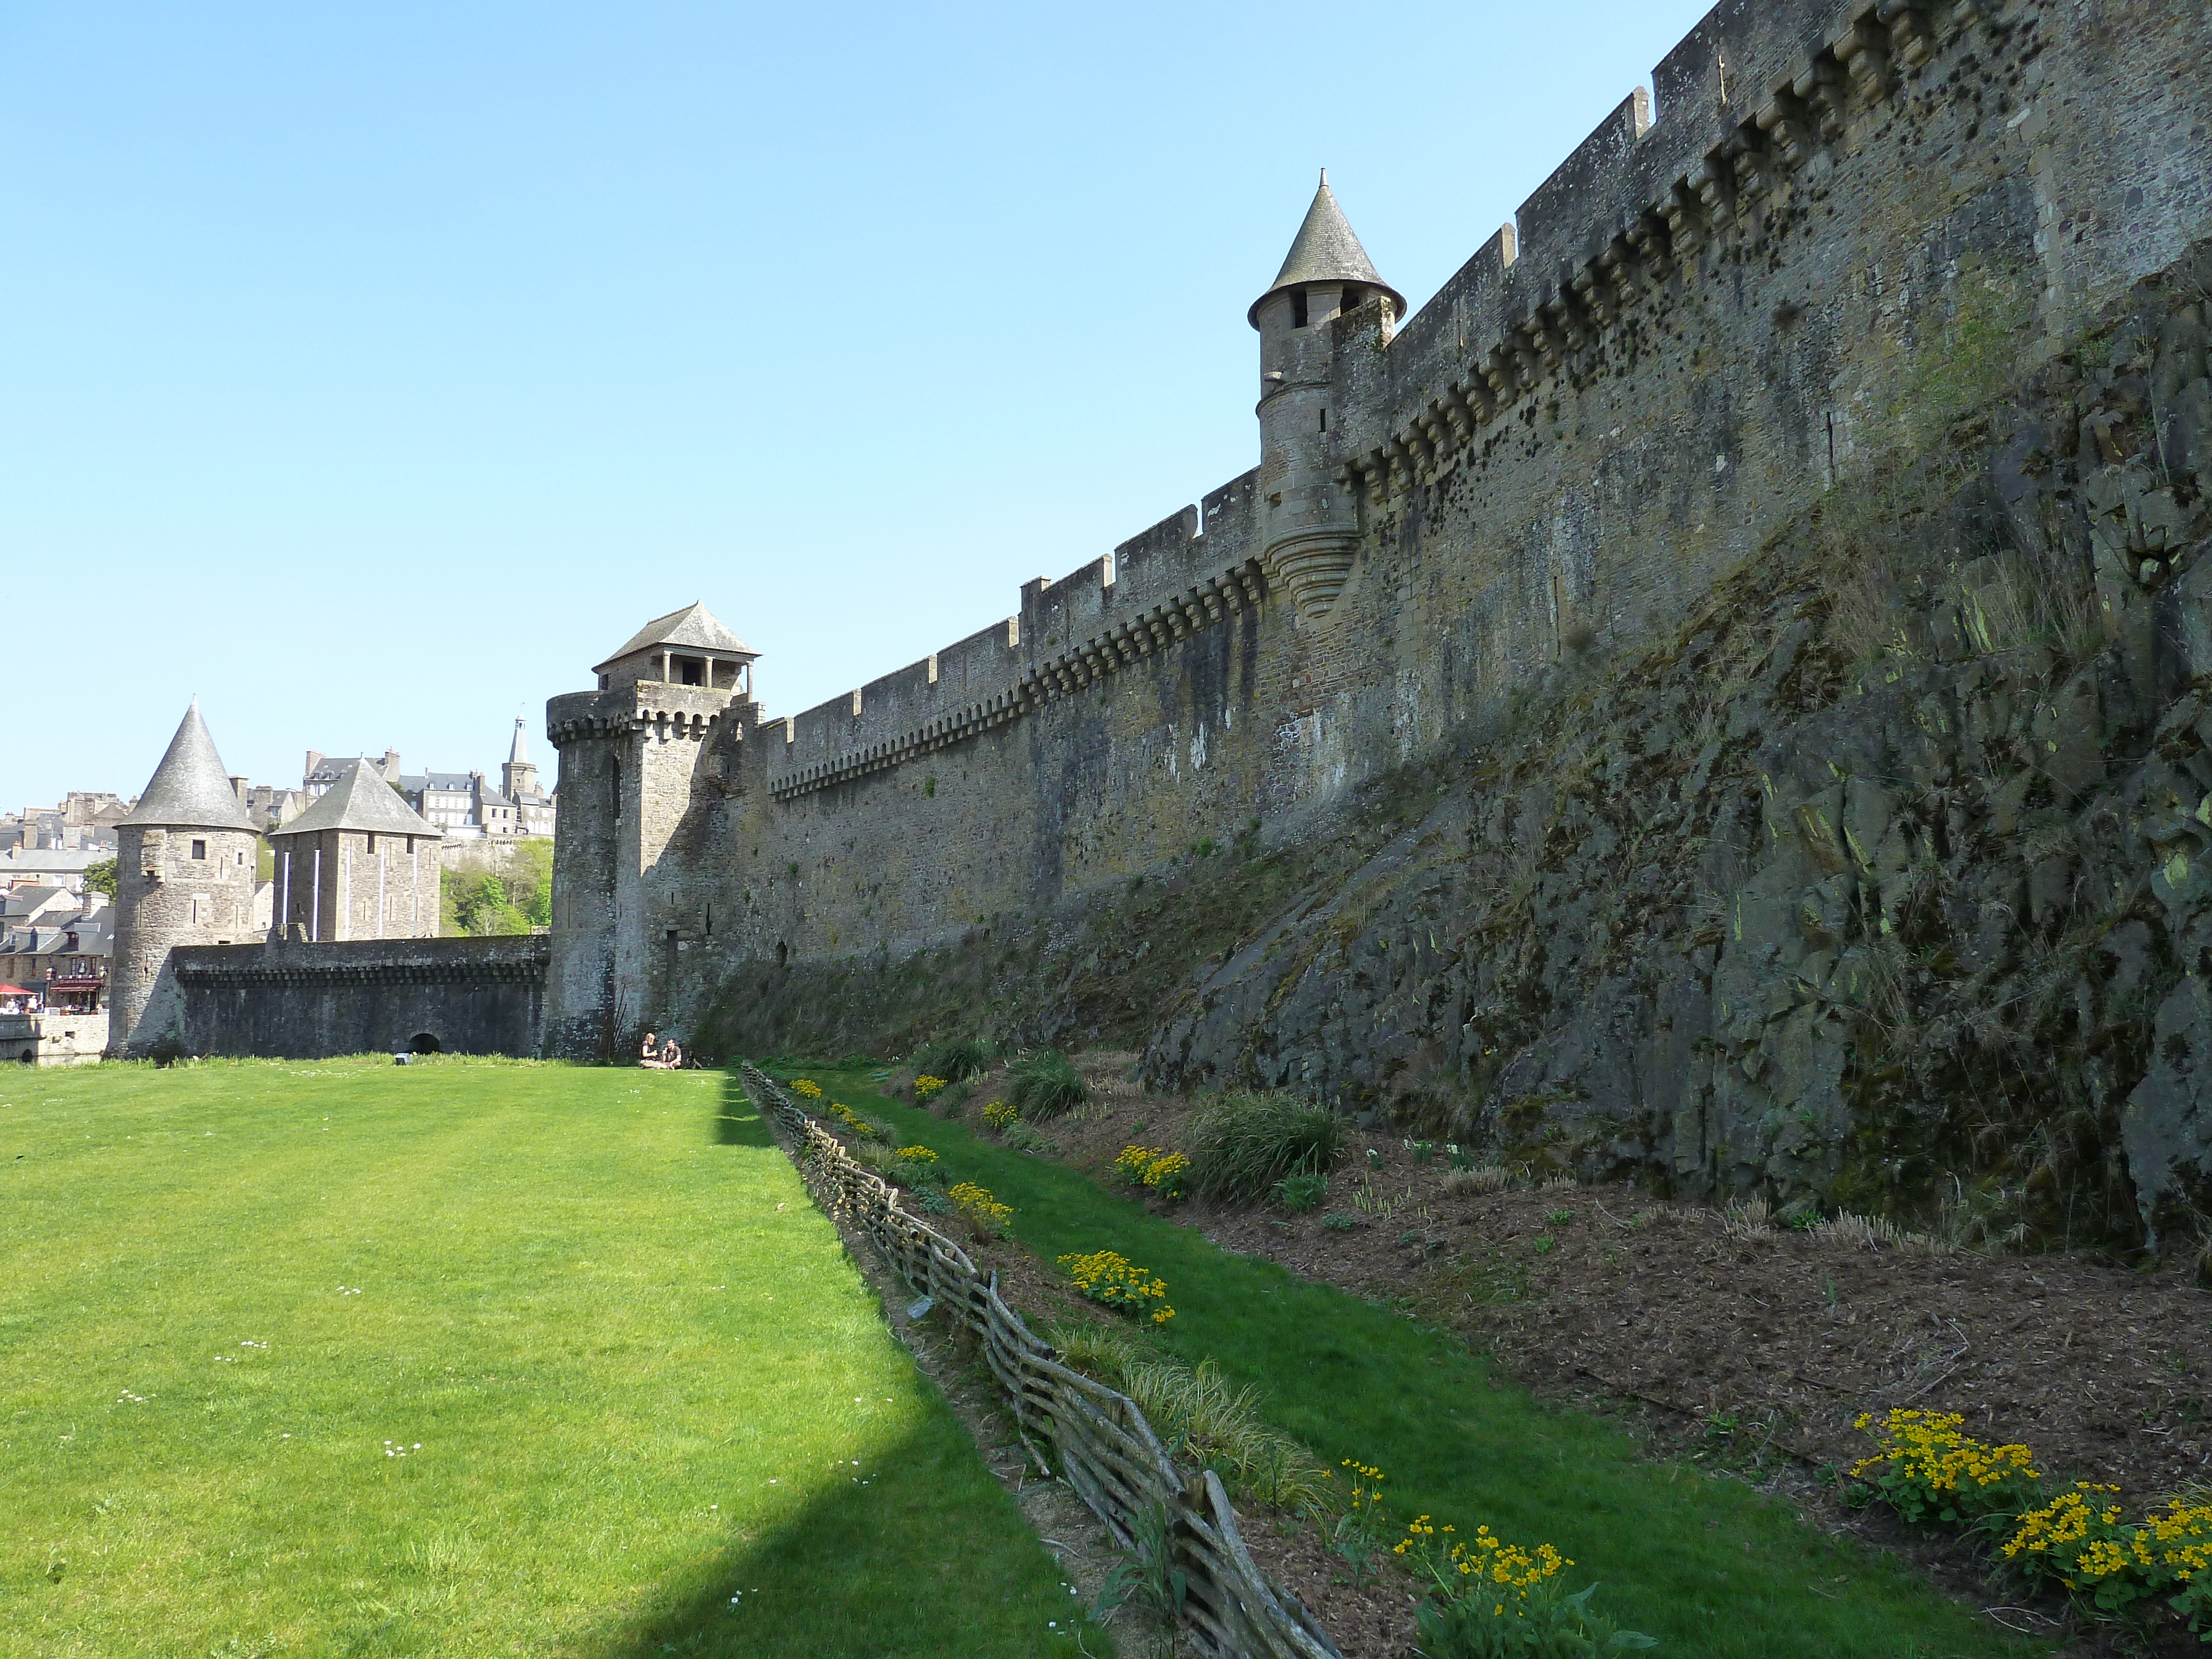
[
  {"x": 739, "y": 1122},
  {"x": 930, "y": 1556}
]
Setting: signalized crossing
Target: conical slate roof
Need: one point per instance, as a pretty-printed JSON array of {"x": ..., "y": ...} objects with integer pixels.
[
  {"x": 520, "y": 755},
  {"x": 359, "y": 799},
  {"x": 190, "y": 789},
  {"x": 1325, "y": 250},
  {"x": 694, "y": 628}
]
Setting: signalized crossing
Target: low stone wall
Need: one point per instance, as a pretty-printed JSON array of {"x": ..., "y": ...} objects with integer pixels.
[
  {"x": 53, "y": 1039},
  {"x": 474, "y": 996}
]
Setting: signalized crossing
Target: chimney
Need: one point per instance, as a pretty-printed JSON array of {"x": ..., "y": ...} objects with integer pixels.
[{"x": 392, "y": 766}]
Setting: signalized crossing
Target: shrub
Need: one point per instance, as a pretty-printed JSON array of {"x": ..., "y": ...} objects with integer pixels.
[
  {"x": 956, "y": 1060},
  {"x": 1044, "y": 1085},
  {"x": 1925, "y": 1468},
  {"x": 1299, "y": 1193},
  {"x": 1163, "y": 1171},
  {"x": 1244, "y": 1143},
  {"x": 1340, "y": 1222},
  {"x": 1109, "y": 1278},
  {"x": 985, "y": 1217}
]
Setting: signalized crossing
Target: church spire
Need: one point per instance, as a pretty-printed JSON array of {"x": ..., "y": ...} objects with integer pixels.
[
  {"x": 1326, "y": 251},
  {"x": 520, "y": 754}
]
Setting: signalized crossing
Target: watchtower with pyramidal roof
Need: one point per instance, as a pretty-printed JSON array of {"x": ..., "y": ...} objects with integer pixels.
[
  {"x": 184, "y": 875},
  {"x": 1309, "y": 518}
]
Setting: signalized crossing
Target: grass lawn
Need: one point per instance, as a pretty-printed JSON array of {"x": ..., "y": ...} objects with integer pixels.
[
  {"x": 1705, "y": 1564},
  {"x": 643, "y": 1376}
]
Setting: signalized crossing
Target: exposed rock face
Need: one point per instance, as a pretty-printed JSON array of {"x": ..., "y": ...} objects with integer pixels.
[{"x": 1885, "y": 881}]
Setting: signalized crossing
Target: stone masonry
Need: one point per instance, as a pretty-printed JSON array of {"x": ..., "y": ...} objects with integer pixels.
[{"x": 1732, "y": 298}]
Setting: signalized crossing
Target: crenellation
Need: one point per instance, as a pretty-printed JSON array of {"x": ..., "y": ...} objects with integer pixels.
[{"x": 1713, "y": 310}]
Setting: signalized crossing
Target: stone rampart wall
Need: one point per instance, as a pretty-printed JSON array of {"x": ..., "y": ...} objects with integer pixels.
[
  {"x": 478, "y": 996},
  {"x": 1827, "y": 229}
]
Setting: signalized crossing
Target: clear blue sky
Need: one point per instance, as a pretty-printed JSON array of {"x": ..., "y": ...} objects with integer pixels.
[{"x": 373, "y": 371}]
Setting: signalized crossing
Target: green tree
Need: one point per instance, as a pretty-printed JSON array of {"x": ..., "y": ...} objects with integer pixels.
[{"x": 100, "y": 877}]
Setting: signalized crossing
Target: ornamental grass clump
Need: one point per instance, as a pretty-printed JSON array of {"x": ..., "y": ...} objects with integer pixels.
[
  {"x": 1155, "y": 1168},
  {"x": 1109, "y": 1278},
  {"x": 1923, "y": 1468},
  {"x": 1044, "y": 1085},
  {"x": 956, "y": 1060},
  {"x": 1244, "y": 1142},
  {"x": 2079, "y": 1540}
]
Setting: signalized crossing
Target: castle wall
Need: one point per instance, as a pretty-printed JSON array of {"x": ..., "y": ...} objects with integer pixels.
[
  {"x": 1822, "y": 228},
  {"x": 477, "y": 996}
]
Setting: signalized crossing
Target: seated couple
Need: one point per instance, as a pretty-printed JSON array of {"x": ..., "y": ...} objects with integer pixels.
[{"x": 666, "y": 1058}]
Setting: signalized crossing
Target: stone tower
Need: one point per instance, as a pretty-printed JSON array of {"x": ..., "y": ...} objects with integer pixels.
[
  {"x": 360, "y": 863},
  {"x": 1309, "y": 514},
  {"x": 636, "y": 759},
  {"x": 517, "y": 776},
  {"x": 185, "y": 875}
]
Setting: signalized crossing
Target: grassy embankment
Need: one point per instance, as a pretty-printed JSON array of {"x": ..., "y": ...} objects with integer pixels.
[
  {"x": 1705, "y": 1564},
  {"x": 643, "y": 1376}
]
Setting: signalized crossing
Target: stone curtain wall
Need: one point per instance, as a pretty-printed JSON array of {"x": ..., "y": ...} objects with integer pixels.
[
  {"x": 1829, "y": 229},
  {"x": 476, "y": 996}
]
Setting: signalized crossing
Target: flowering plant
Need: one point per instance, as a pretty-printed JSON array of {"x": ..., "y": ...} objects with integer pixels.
[
  {"x": 806, "y": 1088},
  {"x": 1107, "y": 1276},
  {"x": 1000, "y": 1115},
  {"x": 925, "y": 1085},
  {"x": 1489, "y": 1599},
  {"x": 1923, "y": 1467},
  {"x": 1155, "y": 1167},
  {"x": 2079, "y": 1538},
  {"x": 987, "y": 1217}
]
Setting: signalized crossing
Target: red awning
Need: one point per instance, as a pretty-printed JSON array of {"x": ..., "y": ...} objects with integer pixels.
[{"x": 13, "y": 991}]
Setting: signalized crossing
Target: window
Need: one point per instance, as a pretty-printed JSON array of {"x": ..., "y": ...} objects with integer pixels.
[
  {"x": 1299, "y": 309},
  {"x": 199, "y": 849},
  {"x": 1324, "y": 420},
  {"x": 372, "y": 841}
]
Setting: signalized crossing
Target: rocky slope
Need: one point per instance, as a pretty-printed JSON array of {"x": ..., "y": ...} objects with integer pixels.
[{"x": 1879, "y": 886}]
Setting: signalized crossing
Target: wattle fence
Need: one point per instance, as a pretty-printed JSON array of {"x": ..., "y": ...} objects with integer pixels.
[{"x": 1105, "y": 1447}]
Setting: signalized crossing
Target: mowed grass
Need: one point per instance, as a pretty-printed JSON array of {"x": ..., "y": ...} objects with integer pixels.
[
  {"x": 1707, "y": 1565},
  {"x": 643, "y": 1376}
]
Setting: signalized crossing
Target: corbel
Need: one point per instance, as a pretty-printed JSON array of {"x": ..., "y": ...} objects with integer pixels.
[
  {"x": 1909, "y": 38},
  {"x": 1458, "y": 416},
  {"x": 1863, "y": 51},
  {"x": 1565, "y": 320},
  {"x": 1783, "y": 119},
  {"x": 1539, "y": 351},
  {"x": 1593, "y": 289},
  {"x": 1685, "y": 221},
  {"x": 1501, "y": 373},
  {"x": 1651, "y": 241},
  {"x": 1820, "y": 89},
  {"x": 1378, "y": 473}
]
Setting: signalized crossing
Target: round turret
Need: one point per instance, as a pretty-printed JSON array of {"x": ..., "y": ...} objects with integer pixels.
[
  {"x": 1310, "y": 522},
  {"x": 184, "y": 875}
]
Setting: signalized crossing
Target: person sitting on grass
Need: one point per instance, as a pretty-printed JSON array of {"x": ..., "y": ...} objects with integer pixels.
[
  {"x": 671, "y": 1057},
  {"x": 650, "y": 1054}
]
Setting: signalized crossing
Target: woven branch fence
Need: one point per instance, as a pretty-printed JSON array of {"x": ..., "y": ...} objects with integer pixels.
[{"x": 1106, "y": 1449}]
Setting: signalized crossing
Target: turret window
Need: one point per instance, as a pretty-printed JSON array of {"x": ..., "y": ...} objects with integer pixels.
[
  {"x": 1298, "y": 309},
  {"x": 1324, "y": 420},
  {"x": 199, "y": 849}
]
